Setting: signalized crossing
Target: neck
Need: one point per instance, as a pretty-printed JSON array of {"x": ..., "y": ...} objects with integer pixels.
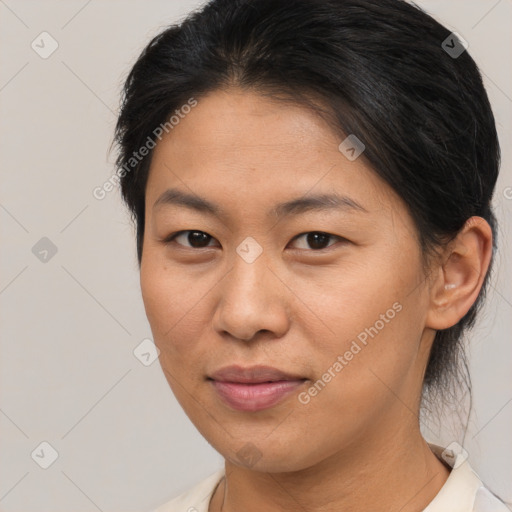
[{"x": 397, "y": 473}]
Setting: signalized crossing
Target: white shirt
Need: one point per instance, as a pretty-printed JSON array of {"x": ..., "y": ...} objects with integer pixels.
[{"x": 463, "y": 491}]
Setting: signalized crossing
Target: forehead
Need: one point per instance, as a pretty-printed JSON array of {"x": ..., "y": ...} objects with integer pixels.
[
  {"x": 241, "y": 145},
  {"x": 233, "y": 124}
]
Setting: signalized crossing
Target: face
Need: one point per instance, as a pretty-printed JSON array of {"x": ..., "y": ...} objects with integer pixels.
[{"x": 334, "y": 296}]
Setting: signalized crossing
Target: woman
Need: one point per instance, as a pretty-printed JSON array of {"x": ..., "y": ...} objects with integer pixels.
[{"x": 311, "y": 182}]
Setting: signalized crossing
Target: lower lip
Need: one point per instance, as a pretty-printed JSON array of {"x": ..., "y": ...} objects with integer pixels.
[{"x": 255, "y": 397}]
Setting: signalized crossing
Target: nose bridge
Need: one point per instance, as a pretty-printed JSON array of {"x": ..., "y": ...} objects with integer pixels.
[
  {"x": 250, "y": 266},
  {"x": 250, "y": 299}
]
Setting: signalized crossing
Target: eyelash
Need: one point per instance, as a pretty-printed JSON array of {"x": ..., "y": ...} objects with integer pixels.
[{"x": 171, "y": 239}]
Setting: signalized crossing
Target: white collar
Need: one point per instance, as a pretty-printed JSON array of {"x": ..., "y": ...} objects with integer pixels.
[{"x": 459, "y": 491}]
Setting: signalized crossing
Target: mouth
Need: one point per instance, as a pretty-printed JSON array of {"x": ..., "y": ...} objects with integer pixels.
[
  {"x": 254, "y": 388},
  {"x": 253, "y": 374}
]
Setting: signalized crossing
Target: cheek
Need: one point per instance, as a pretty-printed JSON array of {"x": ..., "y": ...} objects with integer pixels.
[
  {"x": 166, "y": 299},
  {"x": 359, "y": 297},
  {"x": 172, "y": 308},
  {"x": 367, "y": 332},
  {"x": 159, "y": 295},
  {"x": 358, "y": 382},
  {"x": 177, "y": 309}
]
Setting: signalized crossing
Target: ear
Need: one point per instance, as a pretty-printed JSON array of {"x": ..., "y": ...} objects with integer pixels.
[{"x": 459, "y": 278}]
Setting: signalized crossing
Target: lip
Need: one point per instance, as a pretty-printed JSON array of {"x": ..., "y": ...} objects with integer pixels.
[
  {"x": 253, "y": 374},
  {"x": 254, "y": 388}
]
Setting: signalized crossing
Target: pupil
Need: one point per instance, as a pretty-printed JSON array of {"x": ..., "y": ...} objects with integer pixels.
[
  {"x": 313, "y": 240},
  {"x": 196, "y": 237}
]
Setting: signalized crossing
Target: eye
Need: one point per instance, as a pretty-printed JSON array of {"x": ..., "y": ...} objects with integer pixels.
[
  {"x": 196, "y": 239},
  {"x": 199, "y": 239},
  {"x": 317, "y": 239}
]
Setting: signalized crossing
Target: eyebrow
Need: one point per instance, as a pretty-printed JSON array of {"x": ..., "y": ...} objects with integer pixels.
[{"x": 322, "y": 202}]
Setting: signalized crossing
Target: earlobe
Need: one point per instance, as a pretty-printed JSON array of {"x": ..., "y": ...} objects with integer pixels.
[{"x": 461, "y": 276}]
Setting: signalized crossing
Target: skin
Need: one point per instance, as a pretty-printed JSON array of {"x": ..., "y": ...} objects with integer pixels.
[{"x": 298, "y": 307}]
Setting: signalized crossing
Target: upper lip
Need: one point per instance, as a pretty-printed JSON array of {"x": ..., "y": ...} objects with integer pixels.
[{"x": 252, "y": 374}]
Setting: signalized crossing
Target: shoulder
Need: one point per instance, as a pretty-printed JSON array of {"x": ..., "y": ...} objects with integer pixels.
[{"x": 195, "y": 499}]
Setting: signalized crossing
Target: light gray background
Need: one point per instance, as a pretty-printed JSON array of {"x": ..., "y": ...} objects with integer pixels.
[{"x": 69, "y": 326}]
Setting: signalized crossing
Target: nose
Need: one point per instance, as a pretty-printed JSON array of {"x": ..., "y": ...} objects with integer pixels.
[{"x": 252, "y": 298}]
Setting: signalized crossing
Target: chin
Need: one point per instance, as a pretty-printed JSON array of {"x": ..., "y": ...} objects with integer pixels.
[{"x": 277, "y": 455}]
